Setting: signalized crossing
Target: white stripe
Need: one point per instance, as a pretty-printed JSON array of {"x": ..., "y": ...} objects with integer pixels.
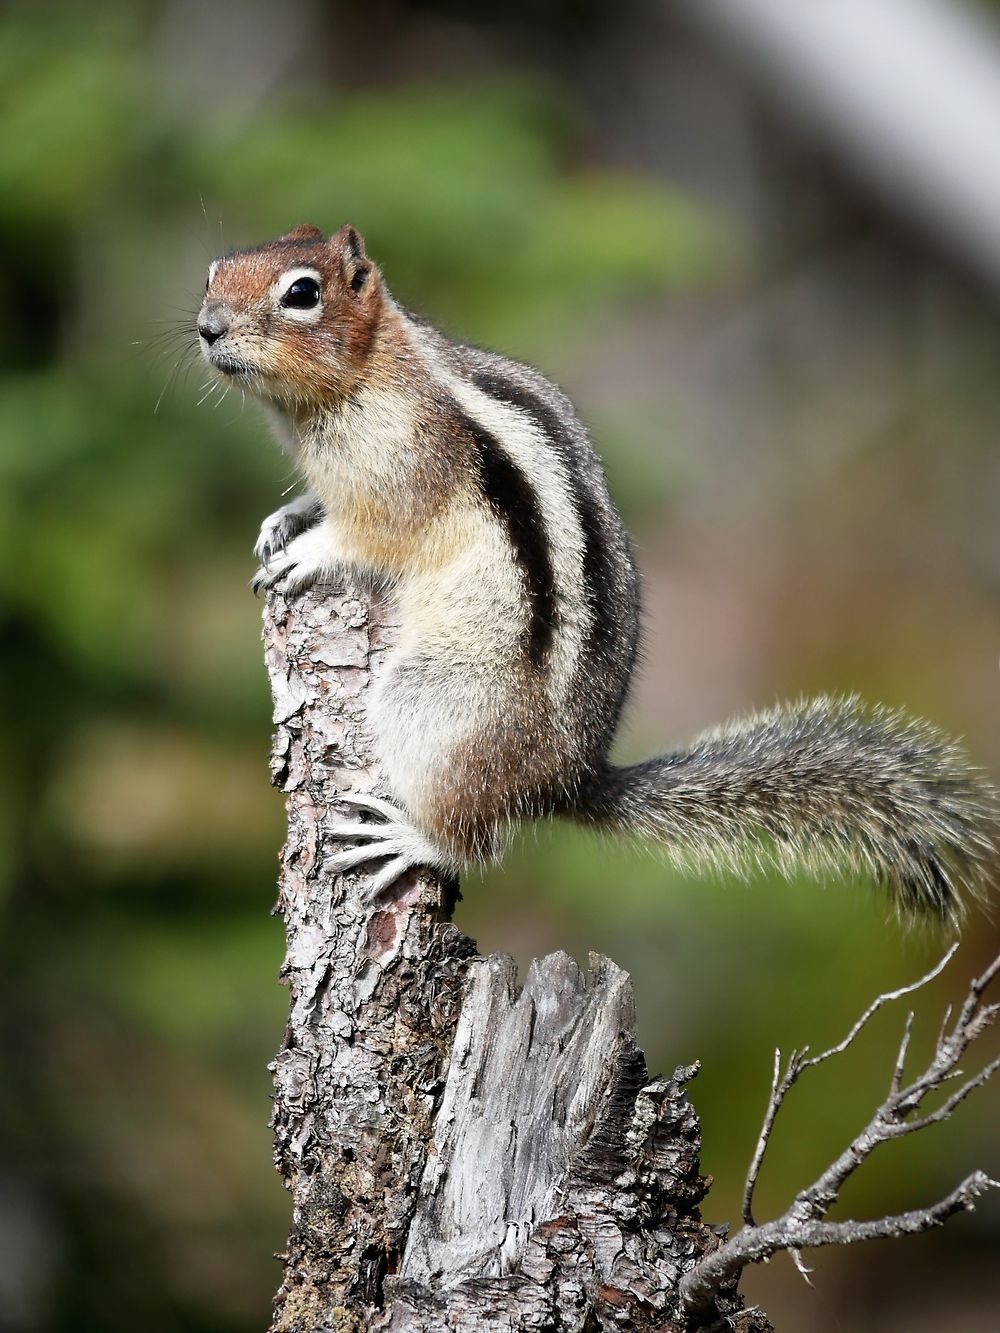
[{"x": 545, "y": 472}]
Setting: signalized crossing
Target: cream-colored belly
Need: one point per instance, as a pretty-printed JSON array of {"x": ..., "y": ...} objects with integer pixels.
[{"x": 456, "y": 664}]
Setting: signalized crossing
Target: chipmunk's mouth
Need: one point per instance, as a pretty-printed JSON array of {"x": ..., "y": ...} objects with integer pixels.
[{"x": 232, "y": 366}]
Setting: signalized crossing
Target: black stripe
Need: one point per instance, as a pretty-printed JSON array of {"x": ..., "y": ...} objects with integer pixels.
[
  {"x": 512, "y": 499},
  {"x": 601, "y": 587}
]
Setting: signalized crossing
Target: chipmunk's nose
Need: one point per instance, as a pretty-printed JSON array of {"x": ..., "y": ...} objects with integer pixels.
[{"x": 213, "y": 321}]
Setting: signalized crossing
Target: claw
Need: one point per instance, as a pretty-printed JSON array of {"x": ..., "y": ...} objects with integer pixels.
[
  {"x": 286, "y": 571},
  {"x": 357, "y": 856},
  {"x": 345, "y": 832},
  {"x": 266, "y": 548},
  {"x": 265, "y": 578},
  {"x": 377, "y": 804},
  {"x": 388, "y": 875}
]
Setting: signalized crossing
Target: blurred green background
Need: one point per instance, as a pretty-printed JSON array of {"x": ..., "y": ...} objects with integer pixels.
[{"x": 796, "y": 394}]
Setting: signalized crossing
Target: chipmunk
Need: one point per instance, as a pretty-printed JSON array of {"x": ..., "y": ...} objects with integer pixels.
[{"x": 466, "y": 483}]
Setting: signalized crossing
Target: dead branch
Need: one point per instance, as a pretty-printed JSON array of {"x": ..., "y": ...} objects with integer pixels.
[
  {"x": 798, "y": 1063},
  {"x": 803, "y": 1224}
]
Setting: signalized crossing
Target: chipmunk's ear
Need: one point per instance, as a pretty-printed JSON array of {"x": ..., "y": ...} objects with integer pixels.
[
  {"x": 355, "y": 263},
  {"x": 304, "y": 232}
]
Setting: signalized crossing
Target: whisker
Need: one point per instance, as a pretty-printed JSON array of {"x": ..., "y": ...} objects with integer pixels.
[
  {"x": 178, "y": 373},
  {"x": 166, "y": 385},
  {"x": 206, "y": 235}
]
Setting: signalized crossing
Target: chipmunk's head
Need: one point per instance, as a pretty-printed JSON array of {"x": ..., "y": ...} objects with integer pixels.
[{"x": 293, "y": 320}]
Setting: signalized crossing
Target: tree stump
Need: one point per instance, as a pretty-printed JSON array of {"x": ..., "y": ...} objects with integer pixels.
[{"x": 461, "y": 1153}]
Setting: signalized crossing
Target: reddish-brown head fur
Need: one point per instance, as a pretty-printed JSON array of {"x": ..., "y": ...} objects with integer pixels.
[{"x": 256, "y": 330}]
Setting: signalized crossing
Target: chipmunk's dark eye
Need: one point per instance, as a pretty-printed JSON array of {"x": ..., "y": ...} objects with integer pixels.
[{"x": 302, "y": 295}]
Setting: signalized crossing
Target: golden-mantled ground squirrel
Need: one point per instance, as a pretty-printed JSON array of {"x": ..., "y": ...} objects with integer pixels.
[{"x": 465, "y": 482}]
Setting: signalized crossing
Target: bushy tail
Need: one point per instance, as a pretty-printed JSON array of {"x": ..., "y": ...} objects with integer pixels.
[{"x": 823, "y": 784}]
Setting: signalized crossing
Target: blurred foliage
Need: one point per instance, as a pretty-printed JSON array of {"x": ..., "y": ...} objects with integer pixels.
[{"x": 138, "y": 834}]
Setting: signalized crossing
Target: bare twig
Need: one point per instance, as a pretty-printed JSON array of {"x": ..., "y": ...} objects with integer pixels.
[
  {"x": 802, "y": 1224},
  {"x": 897, "y": 1073},
  {"x": 773, "y": 1103},
  {"x": 798, "y": 1063}
]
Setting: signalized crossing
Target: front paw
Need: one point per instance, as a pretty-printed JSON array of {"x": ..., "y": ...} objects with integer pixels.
[
  {"x": 284, "y": 525},
  {"x": 307, "y": 559}
]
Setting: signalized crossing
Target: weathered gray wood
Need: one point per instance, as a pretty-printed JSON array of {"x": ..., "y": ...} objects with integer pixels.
[
  {"x": 562, "y": 1189},
  {"x": 508, "y": 1167},
  {"x": 515, "y": 1111}
]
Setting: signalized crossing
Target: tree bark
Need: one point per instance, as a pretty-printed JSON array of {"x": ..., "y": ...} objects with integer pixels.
[{"x": 461, "y": 1154}]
